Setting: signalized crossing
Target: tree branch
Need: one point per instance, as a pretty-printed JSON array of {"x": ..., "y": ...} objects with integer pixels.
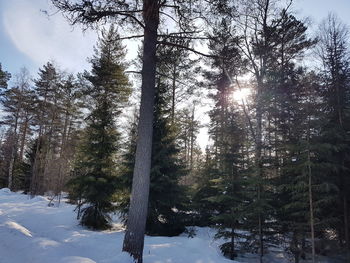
[
  {"x": 162, "y": 42},
  {"x": 130, "y": 37}
]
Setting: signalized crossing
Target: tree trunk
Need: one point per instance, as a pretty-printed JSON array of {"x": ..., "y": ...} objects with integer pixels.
[
  {"x": 173, "y": 95},
  {"x": 311, "y": 212},
  {"x": 258, "y": 164},
  {"x": 10, "y": 171},
  {"x": 192, "y": 139},
  {"x": 233, "y": 254},
  {"x": 346, "y": 227},
  {"x": 136, "y": 223},
  {"x": 312, "y": 223},
  {"x": 13, "y": 154},
  {"x": 23, "y": 139}
]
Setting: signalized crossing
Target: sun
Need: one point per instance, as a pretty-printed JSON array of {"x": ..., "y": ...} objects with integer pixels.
[{"x": 241, "y": 95}]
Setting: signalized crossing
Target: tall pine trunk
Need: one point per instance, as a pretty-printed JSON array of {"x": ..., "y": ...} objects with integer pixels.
[
  {"x": 136, "y": 223},
  {"x": 23, "y": 138},
  {"x": 13, "y": 154},
  {"x": 312, "y": 221},
  {"x": 173, "y": 95},
  {"x": 192, "y": 139},
  {"x": 258, "y": 165},
  {"x": 311, "y": 204}
]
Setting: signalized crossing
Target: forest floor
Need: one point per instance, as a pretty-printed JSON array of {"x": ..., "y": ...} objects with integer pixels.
[{"x": 33, "y": 232}]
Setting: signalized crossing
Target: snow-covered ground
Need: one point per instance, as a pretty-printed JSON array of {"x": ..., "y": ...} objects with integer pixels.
[{"x": 33, "y": 232}]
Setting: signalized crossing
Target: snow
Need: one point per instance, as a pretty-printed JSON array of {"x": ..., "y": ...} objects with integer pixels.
[{"x": 33, "y": 232}]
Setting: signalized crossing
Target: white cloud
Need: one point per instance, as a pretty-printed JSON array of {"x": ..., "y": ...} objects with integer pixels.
[{"x": 44, "y": 38}]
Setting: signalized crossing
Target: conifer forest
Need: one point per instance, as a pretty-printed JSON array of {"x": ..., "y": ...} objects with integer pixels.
[{"x": 123, "y": 138}]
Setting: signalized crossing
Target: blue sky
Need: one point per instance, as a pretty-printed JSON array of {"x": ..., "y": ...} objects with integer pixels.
[
  {"x": 318, "y": 9},
  {"x": 29, "y": 38}
]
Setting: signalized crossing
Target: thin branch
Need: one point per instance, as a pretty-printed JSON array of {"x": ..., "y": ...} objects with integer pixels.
[
  {"x": 132, "y": 72},
  {"x": 87, "y": 12},
  {"x": 185, "y": 37},
  {"x": 130, "y": 37},
  {"x": 186, "y": 48},
  {"x": 169, "y": 16}
]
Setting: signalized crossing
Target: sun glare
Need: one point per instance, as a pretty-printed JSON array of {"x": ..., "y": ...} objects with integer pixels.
[{"x": 241, "y": 95}]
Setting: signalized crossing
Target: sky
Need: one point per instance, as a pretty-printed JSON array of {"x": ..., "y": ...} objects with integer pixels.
[{"x": 29, "y": 38}]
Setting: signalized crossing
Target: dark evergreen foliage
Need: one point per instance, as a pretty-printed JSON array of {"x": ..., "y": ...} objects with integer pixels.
[
  {"x": 167, "y": 200},
  {"x": 95, "y": 166}
]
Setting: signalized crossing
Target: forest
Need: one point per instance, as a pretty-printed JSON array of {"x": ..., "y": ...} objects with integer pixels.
[{"x": 123, "y": 136}]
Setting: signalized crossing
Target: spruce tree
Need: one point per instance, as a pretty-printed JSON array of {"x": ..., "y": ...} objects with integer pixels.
[
  {"x": 227, "y": 132},
  {"x": 96, "y": 164},
  {"x": 167, "y": 200},
  {"x": 204, "y": 189},
  {"x": 333, "y": 50},
  {"x": 303, "y": 188}
]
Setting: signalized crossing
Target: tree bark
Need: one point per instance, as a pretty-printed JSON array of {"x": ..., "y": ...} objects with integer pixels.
[
  {"x": 346, "y": 227},
  {"x": 13, "y": 153},
  {"x": 192, "y": 139},
  {"x": 258, "y": 164},
  {"x": 173, "y": 95},
  {"x": 311, "y": 212},
  {"x": 23, "y": 139},
  {"x": 311, "y": 204},
  {"x": 136, "y": 223},
  {"x": 233, "y": 254}
]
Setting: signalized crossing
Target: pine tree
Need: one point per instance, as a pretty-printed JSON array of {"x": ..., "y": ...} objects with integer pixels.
[
  {"x": 230, "y": 183},
  {"x": 188, "y": 128},
  {"x": 227, "y": 132},
  {"x": 167, "y": 200},
  {"x": 126, "y": 168},
  {"x": 47, "y": 91},
  {"x": 204, "y": 189},
  {"x": 17, "y": 103},
  {"x": 4, "y": 78},
  {"x": 283, "y": 101},
  {"x": 302, "y": 190},
  {"x": 167, "y": 197},
  {"x": 333, "y": 50},
  {"x": 95, "y": 164}
]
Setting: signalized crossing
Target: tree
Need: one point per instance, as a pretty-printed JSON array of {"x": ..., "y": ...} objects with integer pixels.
[
  {"x": 95, "y": 164},
  {"x": 288, "y": 86},
  {"x": 227, "y": 132},
  {"x": 188, "y": 127},
  {"x": 16, "y": 102},
  {"x": 46, "y": 120},
  {"x": 147, "y": 18},
  {"x": 167, "y": 202},
  {"x": 4, "y": 78},
  {"x": 272, "y": 40},
  {"x": 333, "y": 49},
  {"x": 70, "y": 120},
  {"x": 167, "y": 199}
]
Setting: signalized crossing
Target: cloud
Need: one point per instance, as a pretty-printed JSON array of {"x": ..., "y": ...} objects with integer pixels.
[{"x": 43, "y": 38}]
